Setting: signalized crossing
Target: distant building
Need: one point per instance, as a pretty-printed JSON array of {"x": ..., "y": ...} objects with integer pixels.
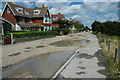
[{"x": 56, "y": 18}]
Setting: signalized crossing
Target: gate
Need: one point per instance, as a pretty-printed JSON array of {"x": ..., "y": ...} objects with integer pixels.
[{"x": 8, "y": 39}]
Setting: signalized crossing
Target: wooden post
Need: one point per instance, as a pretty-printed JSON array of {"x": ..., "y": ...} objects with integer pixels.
[
  {"x": 117, "y": 55},
  {"x": 11, "y": 35},
  {"x": 105, "y": 40},
  {"x": 109, "y": 45}
]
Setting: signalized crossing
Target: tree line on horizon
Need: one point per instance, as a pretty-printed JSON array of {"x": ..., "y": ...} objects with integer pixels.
[
  {"x": 110, "y": 28},
  {"x": 66, "y": 26}
]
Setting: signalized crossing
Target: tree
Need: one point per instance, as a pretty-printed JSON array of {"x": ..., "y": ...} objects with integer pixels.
[
  {"x": 95, "y": 23},
  {"x": 88, "y": 28},
  {"x": 79, "y": 26},
  {"x": 108, "y": 27}
]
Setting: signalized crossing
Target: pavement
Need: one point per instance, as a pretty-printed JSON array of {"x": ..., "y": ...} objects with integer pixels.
[{"x": 85, "y": 63}]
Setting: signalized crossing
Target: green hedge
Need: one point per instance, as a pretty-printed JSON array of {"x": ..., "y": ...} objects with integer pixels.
[
  {"x": 64, "y": 30},
  {"x": 33, "y": 34}
]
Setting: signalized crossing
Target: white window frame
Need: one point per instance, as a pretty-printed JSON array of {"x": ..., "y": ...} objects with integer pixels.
[
  {"x": 26, "y": 12},
  {"x": 37, "y": 13},
  {"x": 49, "y": 20},
  {"x": 55, "y": 17},
  {"x": 18, "y": 8}
]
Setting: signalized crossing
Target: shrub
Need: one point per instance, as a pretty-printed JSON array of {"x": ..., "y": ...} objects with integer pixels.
[
  {"x": 33, "y": 34},
  {"x": 65, "y": 31}
]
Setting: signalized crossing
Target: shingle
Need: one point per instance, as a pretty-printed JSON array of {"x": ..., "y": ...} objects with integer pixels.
[{"x": 28, "y": 10}]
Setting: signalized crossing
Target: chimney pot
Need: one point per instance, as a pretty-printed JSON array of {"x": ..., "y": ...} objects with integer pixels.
[{"x": 43, "y": 5}]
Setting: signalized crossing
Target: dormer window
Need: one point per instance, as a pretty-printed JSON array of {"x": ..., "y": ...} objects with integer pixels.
[
  {"x": 55, "y": 17},
  {"x": 46, "y": 13},
  {"x": 27, "y": 13},
  {"x": 20, "y": 10},
  {"x": 36, "y": 12}
]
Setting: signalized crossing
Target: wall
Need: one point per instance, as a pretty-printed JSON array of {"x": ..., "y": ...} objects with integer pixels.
[{"x": 9, "y": 16}]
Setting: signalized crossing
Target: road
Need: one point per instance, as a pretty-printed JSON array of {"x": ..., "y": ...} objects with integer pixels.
[{"x": 85, "y": 64}]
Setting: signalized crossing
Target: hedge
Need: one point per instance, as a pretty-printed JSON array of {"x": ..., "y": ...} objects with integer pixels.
[{"x": 33, "y": 33}]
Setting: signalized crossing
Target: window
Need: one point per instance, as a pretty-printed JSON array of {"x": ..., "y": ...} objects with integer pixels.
[
  {"x": 36, "y": 12},
  {"x": 55, "y": 17},
  {"x": 47, "y": 20},
  {"x": 22, "y": 20},
  {"x": 8, "y": 10},
  {"x": 20, "y": 10},
  {"x": 27, "y": 13},
  {"x": 47, "y": 13}
]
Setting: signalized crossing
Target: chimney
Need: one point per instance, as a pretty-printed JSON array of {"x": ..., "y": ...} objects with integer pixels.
[
  {"x": 43, "y": 5},
  {"x": 59, "y": 13}
]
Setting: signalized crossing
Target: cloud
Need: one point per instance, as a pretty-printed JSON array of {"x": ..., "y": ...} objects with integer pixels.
[
  {"x": 57, "y": 5},
  {"x": 89, "y": 12},
  {"x": 63, "y": 0},
  {"x": 86, "y": 12},
  {"x": 27, "y": 3},
  {"x": 100, "y": 0},
  {"x": 0, "y": 11}
]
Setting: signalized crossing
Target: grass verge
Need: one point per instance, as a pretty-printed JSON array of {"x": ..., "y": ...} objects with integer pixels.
[{"x": 112, "y": 68}]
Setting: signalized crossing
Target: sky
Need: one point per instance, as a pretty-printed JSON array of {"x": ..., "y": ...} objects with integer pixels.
[{"x": 85, "y": 11}]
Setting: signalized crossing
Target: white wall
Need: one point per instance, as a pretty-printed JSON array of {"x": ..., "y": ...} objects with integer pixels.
[{"x": 17, "y": 27}]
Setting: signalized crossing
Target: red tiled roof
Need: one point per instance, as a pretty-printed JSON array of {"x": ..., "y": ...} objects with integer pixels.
[
  {"x": 43, "y": 11},
  {"x": 60, "y": 17},
  {"x": 22, "y": 24}
]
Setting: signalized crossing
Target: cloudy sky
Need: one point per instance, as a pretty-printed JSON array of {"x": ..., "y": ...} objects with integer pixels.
[{"x": 86, "y": 11}]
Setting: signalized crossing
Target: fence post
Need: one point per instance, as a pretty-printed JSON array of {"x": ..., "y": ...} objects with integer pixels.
[
  {"x": 105, "y": 40},
  {"x": 11, "y": 38},
  {"x": 117, "y": 55},
  {"x": 109, "y": 45}
]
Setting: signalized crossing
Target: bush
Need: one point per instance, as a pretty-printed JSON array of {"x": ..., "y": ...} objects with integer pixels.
[
  {"x": 33, "y": 33},
  {"x": 65, "y": 31}
]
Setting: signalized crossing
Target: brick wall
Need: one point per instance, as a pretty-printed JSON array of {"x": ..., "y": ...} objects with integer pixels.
[{"x": 9, "y": 16}]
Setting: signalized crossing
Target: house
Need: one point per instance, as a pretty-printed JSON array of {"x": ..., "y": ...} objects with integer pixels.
[
  {"x": 56, "y": 18},
  {"x": 73, "y": 25},
  {"x": 27, "y": 19}
]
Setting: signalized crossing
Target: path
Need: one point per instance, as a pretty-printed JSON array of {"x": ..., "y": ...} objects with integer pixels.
[{"x": 85, "y": 63}]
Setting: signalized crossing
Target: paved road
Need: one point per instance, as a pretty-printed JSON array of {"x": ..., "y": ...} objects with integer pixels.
[
  {"x": 85, "y": 64},
  {"x": 32, "y": 50}
]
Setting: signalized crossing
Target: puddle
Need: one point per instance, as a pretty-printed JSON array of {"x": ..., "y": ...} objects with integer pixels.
[
  {"x": 43, "y": 66},
  {"x": 40, "y": 46},
  {"x": 79, "y": 73},
  {"x": 81, "y": 67},
  {"x": 27, "y": 50},
  {"x": 101, "y": 58},
  {"x": 28, "y": 47},
  {"x": 86, "y": 56},
  {"x": 14, "y": 54},
  {"x": 80, "y": 62},
  {"x": 67, "y": 43},
  {"x": 102, "y": 71}
]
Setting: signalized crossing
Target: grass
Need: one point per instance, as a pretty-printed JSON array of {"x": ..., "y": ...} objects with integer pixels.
[{"x": 111, "y": 67}]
